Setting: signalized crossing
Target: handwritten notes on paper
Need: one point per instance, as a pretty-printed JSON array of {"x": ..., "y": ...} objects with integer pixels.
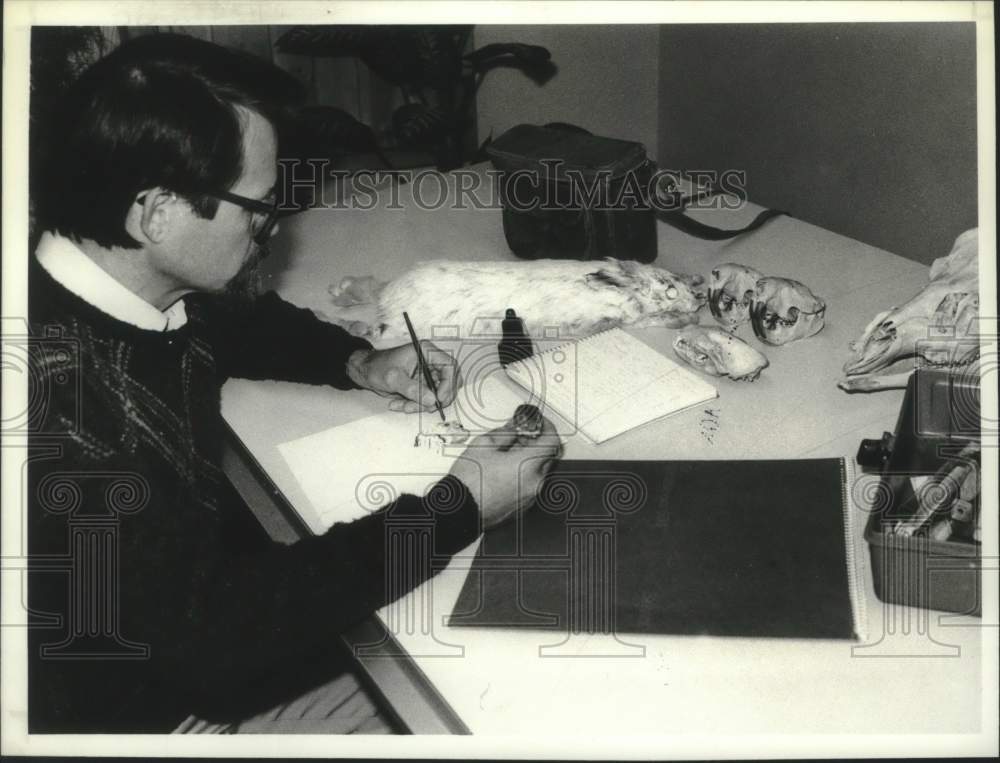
[{"x": 610, "y": 383}]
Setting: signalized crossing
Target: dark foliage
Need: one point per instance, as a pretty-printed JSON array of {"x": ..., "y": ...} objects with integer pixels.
[{"x": 437, "y": 79}]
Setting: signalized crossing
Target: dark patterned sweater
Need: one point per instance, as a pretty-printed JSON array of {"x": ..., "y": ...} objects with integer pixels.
[{"x": 151, "y": 594}]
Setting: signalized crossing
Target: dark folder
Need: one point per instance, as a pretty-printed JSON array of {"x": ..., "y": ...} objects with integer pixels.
[{"x": 728, "y": 548}]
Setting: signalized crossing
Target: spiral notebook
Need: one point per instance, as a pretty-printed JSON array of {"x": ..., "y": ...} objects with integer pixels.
[{"x": 609, "y": 383}]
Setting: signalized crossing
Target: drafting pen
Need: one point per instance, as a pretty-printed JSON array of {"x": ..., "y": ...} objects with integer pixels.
[{"x": 424, "y": 367}]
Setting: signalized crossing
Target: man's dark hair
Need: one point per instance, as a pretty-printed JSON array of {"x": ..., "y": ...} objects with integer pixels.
[{"x": 158, "y": 111}]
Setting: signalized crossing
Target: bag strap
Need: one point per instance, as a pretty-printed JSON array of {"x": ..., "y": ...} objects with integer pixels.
[
  {"x": 692, "y": 227},
  {"x": 677, "y": 218},
  {"x": 710, "y": 233}
]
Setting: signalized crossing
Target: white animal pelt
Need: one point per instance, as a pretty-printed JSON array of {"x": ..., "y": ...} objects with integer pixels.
[{"x": 576, "y": 297}]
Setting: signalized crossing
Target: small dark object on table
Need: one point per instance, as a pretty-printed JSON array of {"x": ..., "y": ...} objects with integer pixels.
[{"x": 515, "y": 344}]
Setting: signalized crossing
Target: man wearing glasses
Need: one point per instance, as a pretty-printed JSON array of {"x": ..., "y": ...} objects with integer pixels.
[{"x": 159, "y": 201}]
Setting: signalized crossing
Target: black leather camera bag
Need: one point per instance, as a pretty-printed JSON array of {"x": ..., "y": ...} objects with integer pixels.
[{"x": 568, "y": 194}]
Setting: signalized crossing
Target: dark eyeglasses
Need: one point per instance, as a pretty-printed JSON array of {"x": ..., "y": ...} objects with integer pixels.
[{"x": 267, "y": 210}]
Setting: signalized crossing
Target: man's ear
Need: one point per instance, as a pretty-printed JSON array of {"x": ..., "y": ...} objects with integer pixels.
[{"x": 150, "y": 215}]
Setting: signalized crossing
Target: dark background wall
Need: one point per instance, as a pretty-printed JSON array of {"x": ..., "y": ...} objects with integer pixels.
[
  {"x": 606, "y": 80},
  {"x": 866, "y": 129}
]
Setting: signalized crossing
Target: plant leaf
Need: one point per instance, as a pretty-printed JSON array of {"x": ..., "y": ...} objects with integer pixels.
[
  {"x": 394, "y": 57},
  {"x": 328, "y": 41},
  {"x": 418, "y": 126},
  {"x": 440, "y": 56},
  {"x": 527, "y": 53},
  {"x": 325, "y": 131},
  {"x": 534, "y": 60}
]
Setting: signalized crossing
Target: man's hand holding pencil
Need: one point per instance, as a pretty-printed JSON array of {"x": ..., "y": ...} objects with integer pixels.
[
  {"x": 503, "y": 468},
  {"x": 395, "y": 373}
]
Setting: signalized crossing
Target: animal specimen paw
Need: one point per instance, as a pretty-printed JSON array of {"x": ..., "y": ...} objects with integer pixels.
[{"x": 354, "y": 290}]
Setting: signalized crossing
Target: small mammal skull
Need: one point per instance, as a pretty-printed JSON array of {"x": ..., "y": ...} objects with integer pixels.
[
  {"x": 719, "y": 353},
  {"x": 785, "y": 310},
  {"x": 731, "y": 290}
]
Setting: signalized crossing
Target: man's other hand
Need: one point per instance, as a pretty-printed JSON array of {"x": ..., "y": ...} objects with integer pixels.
[
  {"x": 395, "y": 373},
  {"x": 504, "y": 468}
]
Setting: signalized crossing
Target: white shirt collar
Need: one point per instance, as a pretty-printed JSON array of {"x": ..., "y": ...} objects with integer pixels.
[{"x": 68, "y": 265}]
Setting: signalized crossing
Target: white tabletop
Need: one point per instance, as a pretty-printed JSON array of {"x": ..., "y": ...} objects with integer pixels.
[{"x": 917, "y": 672}]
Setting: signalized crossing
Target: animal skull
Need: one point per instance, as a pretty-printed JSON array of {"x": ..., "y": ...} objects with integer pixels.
[
  {"x": 719, "y": 353},
  {"x": 947, "y": 307},
  {"x": 784, "y": 310},
  {"x": 730, "y": 293}
]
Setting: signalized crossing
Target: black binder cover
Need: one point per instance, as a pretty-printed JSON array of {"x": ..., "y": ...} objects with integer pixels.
[{"x": 727, "y": 548}]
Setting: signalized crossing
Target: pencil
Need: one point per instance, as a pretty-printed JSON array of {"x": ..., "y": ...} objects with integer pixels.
[{"x": 424, "y": 367}]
